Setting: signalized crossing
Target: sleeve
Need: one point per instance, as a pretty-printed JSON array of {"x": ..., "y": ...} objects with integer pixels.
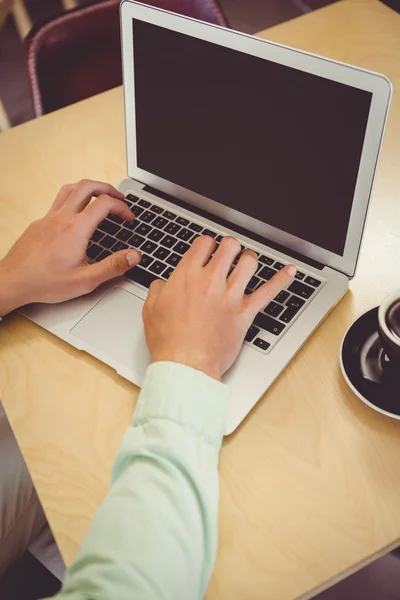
[{"x": 155, "y": 535}]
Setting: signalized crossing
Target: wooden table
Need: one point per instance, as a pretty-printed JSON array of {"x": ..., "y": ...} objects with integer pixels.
[{"x": 310, "y": 483}]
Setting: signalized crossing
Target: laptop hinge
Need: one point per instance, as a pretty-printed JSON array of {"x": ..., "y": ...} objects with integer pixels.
[{"x": 234, "y": 227}]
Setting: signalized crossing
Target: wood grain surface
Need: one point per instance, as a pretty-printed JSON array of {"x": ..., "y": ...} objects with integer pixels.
[{"x": 310, "y": 482}]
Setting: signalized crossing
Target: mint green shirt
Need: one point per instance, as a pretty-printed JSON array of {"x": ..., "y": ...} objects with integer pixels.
[{"x": 155, "y": 535}]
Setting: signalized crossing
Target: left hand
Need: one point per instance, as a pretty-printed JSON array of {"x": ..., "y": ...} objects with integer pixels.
[{"x": 48, "y": 263}]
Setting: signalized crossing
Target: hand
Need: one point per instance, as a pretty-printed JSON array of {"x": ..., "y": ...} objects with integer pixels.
[
  {"x": 49, "y": 264},
  {"x": 200, "y": 316}
]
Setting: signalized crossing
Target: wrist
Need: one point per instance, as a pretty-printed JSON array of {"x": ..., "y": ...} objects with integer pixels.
[
  {"x": 10, "y": 292},
  {"x": 193, "y": 360}
]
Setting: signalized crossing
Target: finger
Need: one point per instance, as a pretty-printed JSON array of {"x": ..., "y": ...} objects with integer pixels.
[
  {"x": 223, "y": 259},
  {"x": 154, "y": 291},
  {"x": 100, "y": 209},
  {"x": 243, "y": 272},
  {"x": 84, "y": 191},
  {"x": 62, "y": 195},
  {"x": 267, "y": 292},
  {"x": 113, "y": 266},
  {"x": 199, "y": 253}
]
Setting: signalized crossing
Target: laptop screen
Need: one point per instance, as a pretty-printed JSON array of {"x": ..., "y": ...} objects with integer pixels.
[{"x": 270, "y": 141}]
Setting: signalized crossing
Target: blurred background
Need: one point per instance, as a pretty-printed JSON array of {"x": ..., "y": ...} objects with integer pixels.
[{"x": 20, "y": 20}]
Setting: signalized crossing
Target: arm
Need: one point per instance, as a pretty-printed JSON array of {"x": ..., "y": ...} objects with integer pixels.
[{"x": 155, "y": 535}]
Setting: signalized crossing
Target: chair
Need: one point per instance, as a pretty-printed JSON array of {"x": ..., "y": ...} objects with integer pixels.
[{"x": 78, "y": 54}]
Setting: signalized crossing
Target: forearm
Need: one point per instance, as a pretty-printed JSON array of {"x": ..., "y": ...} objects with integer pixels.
[{"x": 155, "y": 535}]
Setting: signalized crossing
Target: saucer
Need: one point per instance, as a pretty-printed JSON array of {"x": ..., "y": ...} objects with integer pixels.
[{"x": 366, "y": 368}]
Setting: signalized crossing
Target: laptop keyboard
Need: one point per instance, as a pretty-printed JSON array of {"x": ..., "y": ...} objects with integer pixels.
[{"x": 163, "y": 238}]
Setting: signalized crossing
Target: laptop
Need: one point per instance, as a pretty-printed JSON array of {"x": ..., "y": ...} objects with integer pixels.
[{"x": 227, "y": 134}]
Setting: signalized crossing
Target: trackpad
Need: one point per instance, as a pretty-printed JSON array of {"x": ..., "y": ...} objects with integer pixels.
[{"x": 114, "y": 330}]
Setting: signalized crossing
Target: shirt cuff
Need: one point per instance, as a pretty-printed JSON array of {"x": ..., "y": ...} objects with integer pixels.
[{"x": 186, "y": 396}]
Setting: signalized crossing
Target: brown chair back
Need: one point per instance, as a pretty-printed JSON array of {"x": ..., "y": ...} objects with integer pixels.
[{"x": 78, "y": 54}]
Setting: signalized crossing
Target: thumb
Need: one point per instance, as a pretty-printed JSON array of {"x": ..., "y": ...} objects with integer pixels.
[{"x": 114, "y": 265}]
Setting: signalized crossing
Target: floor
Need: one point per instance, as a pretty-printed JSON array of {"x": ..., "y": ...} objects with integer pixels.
[{"x": 30, "y": 580}]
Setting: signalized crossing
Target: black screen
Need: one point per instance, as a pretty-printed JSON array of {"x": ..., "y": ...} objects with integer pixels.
[{"x": 270, "y": 141}]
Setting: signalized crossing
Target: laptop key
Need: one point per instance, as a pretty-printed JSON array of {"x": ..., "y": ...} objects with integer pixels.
[
  {"x": 97, "y": 235},
  {"x": 219, "y": 238},
  {"x": 160, "y": 222},
  {"x": 185, "y": 234},
  {"x": 148, "y": 247},
  {"x": 144, "y": 203},
  {"x": 195, "y": 227},
  {"x": 107, "y": 241},
  {"x": 211, "y": 233},
  {"x": 269, "y": 324},
  {"x": 282, "y": 296},
  {"x": 147, "y": 216},
  {"x": 167, "y": 274},
  {"x": 169, "y": 215},
  {"x": 305, "y": 291},
  {"x": 146, "y": 260},
  {"x": 313, "y": 281},
  {"x": 278, "y": 266},
  {"x": 143, "y": 229},
  {"x": 299, "y": 275},
  {"x": 267, "y": 273},
  {"x": 109, "y": 227},
  {"x": 119, "y": 246},
  {"x": 168, "y": 241},
  {"x": 141, "y": 276},
  {"x": 136, "y": 240},
  {"x": 253, "y": 283},
  {"x": 289, "y": 313},
  {"x": 266, "y": 260},
  {"x": 182, "y": 221},
  {"x": 273, "y": 309},
  {"x": 93, "y": 251},
  {"x": 251, "y": 333},
  {"x": 172, "y": 228},
  {"x": 173, "y": 260},
  {"x": 116, "y": 219},
  {"x": 123, "y": 234},
  {"x": 132, "y": 198},
  {"x": 157, "y": 267},
  {"x": 137, "y": 210},
  {"x": 181, "y": 247},
  {"x": 131, "y": 225},
  {"x": 162, "y": 253},
  {"x": 155, "y": 235},
  {"x": 157, "y": 209},
  {"x": 295, "y": 302},
  {"x": 261, "y": 344}
]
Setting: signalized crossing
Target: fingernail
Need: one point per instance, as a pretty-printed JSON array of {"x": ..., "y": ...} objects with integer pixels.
[
  {"x": 292, "y": 271},
  {"x": 132, "y": 258}
]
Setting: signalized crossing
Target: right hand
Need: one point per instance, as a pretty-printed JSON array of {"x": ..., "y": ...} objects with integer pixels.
[{"x": 200, "y": 316}]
